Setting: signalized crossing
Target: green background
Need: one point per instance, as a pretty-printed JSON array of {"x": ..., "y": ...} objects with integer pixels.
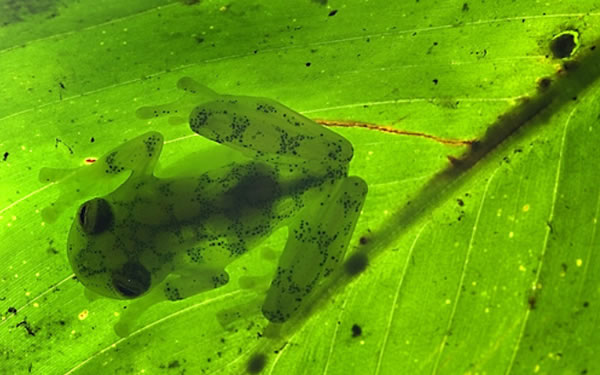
[{"x": 499, "y": 278}]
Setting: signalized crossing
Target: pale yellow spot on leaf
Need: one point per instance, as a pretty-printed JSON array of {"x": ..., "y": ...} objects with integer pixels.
[{"x": 83, "y": 315}]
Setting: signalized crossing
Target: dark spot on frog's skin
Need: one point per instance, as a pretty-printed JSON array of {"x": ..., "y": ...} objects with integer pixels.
[
  {"x": 174, "y": 364},
  {"x": 256, "y": 363},
  {"x": 563, "y": 45},
  {"x": 12, "y": 310},
  {"x": 435, "y": 81},
  {"x": 307, "y": 64},
  {"x": 356, "y": 264},
  {"x": 465, "y": 7},
  {"x": 95, "y": 216},
  {"x": 356, "y": 330},
  {"x": 333, "y": 13},
  {"x": 132, "y": 280},
  {"x": 363, "y": 240},
  {"x": 460, "y": 202},
  {"x": 5, "y": 156},
  {"x": 92, "y": 140},
  {"x": 586, "y": 304}
]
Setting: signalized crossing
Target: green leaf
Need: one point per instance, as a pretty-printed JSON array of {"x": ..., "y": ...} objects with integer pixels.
[{"x": 484, "y": 262}]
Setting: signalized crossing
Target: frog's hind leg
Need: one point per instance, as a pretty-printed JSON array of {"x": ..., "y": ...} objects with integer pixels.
[
  {"x": 316, "y": 246},
  {"x": 265, "y": 129},
  {"x": 179, "y": 110}
]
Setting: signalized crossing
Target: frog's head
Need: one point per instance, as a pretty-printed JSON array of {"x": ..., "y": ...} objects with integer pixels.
[{"x": 97, "y": 256}]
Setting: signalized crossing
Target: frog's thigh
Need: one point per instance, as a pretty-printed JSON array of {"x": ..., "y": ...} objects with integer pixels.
[
  {"x": 138, "y": 155},
  {"x": 316, "y": 245},
  {"x": 261, "y": 127}
]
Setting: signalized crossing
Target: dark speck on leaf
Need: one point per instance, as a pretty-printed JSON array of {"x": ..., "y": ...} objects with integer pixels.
[
  {"x": 532, "y": 302},
  {"x": 307, "y": 64},
  {"x": 460, "y": 202},
  {"x": 435, "y": 81},
  {"x": 256, "y": 363},
  {"x": 12, "y": 310},
  {"x": 333, "y": 13},
  {"x": 5, "y": 156},
  {"x": 563, "y": 45},
  {"x": 465, "y": 7},
  {"x": 356, "y": 330},
  {"x": 356, "y": 264},
  {"x": 544, "y": 83}
]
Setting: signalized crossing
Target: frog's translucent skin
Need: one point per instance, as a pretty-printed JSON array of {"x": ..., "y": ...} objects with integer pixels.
[{"x": 168, "y": 239}]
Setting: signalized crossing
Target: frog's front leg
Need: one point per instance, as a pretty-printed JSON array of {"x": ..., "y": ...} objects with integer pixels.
[
  {"x": 138, "y": 156},
  {"x": 316, "y": 245},
  {"x": 185, "y": 284}
]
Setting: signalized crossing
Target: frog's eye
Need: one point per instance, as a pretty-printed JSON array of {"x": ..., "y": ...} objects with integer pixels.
[
  {"x": 95, "y": 216},
  {"x": 132, "y": 280}
]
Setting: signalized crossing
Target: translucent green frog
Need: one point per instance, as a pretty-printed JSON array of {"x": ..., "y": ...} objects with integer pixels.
[{"x": 153, "y": 239}]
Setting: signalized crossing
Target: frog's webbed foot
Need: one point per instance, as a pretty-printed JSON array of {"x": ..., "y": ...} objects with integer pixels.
[
  {"x": 228, "y": 317},
  {"x": 138, "y": 155},
  {"x": 178, "y": 112},
  {"x": 316, "y": 246}
]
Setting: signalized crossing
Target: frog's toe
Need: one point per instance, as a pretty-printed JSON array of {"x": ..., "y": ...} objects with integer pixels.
[
  {"x": 122, "y": 328},
  {"x": 50, "y": 214}
]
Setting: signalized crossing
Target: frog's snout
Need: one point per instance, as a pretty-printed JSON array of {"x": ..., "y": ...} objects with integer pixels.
[{"x": 132, "y": 280}]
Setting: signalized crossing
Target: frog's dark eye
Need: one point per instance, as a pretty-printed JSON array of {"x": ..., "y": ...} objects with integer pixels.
[
  {"x": 95, "y": 216},
  {"x": 132, "y": 280}
]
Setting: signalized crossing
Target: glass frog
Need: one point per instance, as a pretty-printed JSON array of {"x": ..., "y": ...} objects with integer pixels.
[{"x": 153, "y": 239}]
